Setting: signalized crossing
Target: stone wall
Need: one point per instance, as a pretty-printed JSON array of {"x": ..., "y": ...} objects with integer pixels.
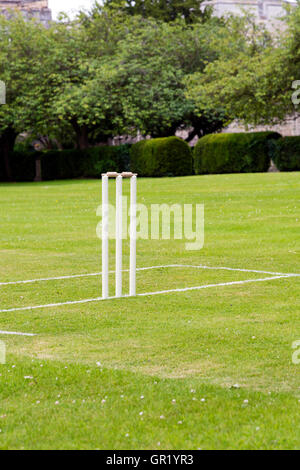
[
  {"x": 30, "y": 8},
  {"x": 290, "y": 127}
]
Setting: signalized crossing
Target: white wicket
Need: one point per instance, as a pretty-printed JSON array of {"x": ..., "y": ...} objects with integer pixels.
[
  {"x": 105, "y": 236},
  {"x": 132, "y": 268},
  {"x": 119, "y": 233}
]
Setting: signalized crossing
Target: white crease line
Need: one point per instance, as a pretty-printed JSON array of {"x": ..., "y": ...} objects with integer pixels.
[
  {"x": 15, "y": 333},
  {"x": 145, "y": 294},
  {"x": 74, "y": 276},
  {"x": 186, "y": 289},
  {"x": 236, "y": 269}
]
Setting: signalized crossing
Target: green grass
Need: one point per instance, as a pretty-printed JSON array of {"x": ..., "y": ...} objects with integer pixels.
[{"x": 159, "y": 347}]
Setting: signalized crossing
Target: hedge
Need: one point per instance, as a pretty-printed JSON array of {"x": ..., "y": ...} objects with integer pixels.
[
  {"x": 64, "y": 164},
  {"x": 287, "y": 154},
  {"x": 168, "y": 156},
  {"x": 234, "y": 153}
]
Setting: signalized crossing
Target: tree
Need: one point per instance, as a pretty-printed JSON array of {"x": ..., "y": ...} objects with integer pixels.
[
  {"x": 21, "y": 52},
  {"x": 151, "y": 65},
  {"x": 127, "y": 74},
  {"x": 166, "y": 10},
  {"x": 253, "y": 82}
]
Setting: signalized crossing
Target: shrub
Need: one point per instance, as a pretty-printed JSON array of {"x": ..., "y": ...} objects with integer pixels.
[
  {"x": 234, "y": 153},
  {"x": 168, "y": 156},
  {"x": 89, "y": 163},
  {"x": 22, "y": 165},
  {"x": 136, "y": 157},
  {"x": 287, "y": 154},
  {"x": 64, "y": 164}
]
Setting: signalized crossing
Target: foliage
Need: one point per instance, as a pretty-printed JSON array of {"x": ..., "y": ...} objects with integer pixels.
[
  {"x": 238, "y": 80},
  {"x": 233, "y": 153},
  {"x": 65, "y": 164},
  {"x": 151, "y": 66},
  {"x": 22, "y": 53},
  {"x": 287, "y": 154},
  {"x": 106, "y": 73},
  {"x": 169, "y": 156},
  {"x": 255, "y": 75},
  {"x": 167, "y": 11}
]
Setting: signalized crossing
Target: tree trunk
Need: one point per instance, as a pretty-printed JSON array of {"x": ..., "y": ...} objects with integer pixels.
[
  {"x": 7, "y": 142},
  {"x": 82, "y": 138}
]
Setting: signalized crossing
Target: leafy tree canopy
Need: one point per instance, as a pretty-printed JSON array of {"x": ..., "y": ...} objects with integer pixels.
[{"x": 166, "y": 10}]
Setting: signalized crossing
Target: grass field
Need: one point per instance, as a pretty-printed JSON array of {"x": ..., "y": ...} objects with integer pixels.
[{"x": 152, "y": 372}]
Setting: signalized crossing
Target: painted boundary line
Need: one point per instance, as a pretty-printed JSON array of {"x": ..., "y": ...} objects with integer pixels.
[
  {"x": 16, "y": 333},
  {"x": 74, "y": 276},
  {"x": 145, "y": 294}
]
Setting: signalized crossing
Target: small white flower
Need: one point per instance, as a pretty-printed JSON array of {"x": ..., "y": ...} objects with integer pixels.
[
  {"x": 57, "y": 402},
  {"x": 173, "y": 401},
  {"x": 257, "y": 428},
  {"x": 38, "y": 402},
  {"x": 203, "y": 399},
  {"x": 193, "y": 391},
  {"x": 162, "y": 417},
  {"x": 103, "y": 401},
  {"x": 141, "y": 413},
  {"x": 28, "y": 377},
  {"x": 126, "y": 435},
  {"x": 246, "y": 401},
  {"x": 179, "y": 422},
  {"x": 142, "y": 397}
]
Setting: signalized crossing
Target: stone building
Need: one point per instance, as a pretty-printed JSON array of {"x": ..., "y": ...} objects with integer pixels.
[
  {"x": 30, "y": 8},
  {"x": 267, "y": 11}
]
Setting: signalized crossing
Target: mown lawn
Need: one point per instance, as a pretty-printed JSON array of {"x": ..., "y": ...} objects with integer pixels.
[{"x": 152, "y": 372}]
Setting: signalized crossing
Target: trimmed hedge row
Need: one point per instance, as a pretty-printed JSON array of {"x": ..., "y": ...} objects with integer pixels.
[
  {"x": 234, "y": 153},
  {"x": 286, "y": 154},
  {"x": 67, "y": 164},
  {"x": 168, "y": 156}
]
